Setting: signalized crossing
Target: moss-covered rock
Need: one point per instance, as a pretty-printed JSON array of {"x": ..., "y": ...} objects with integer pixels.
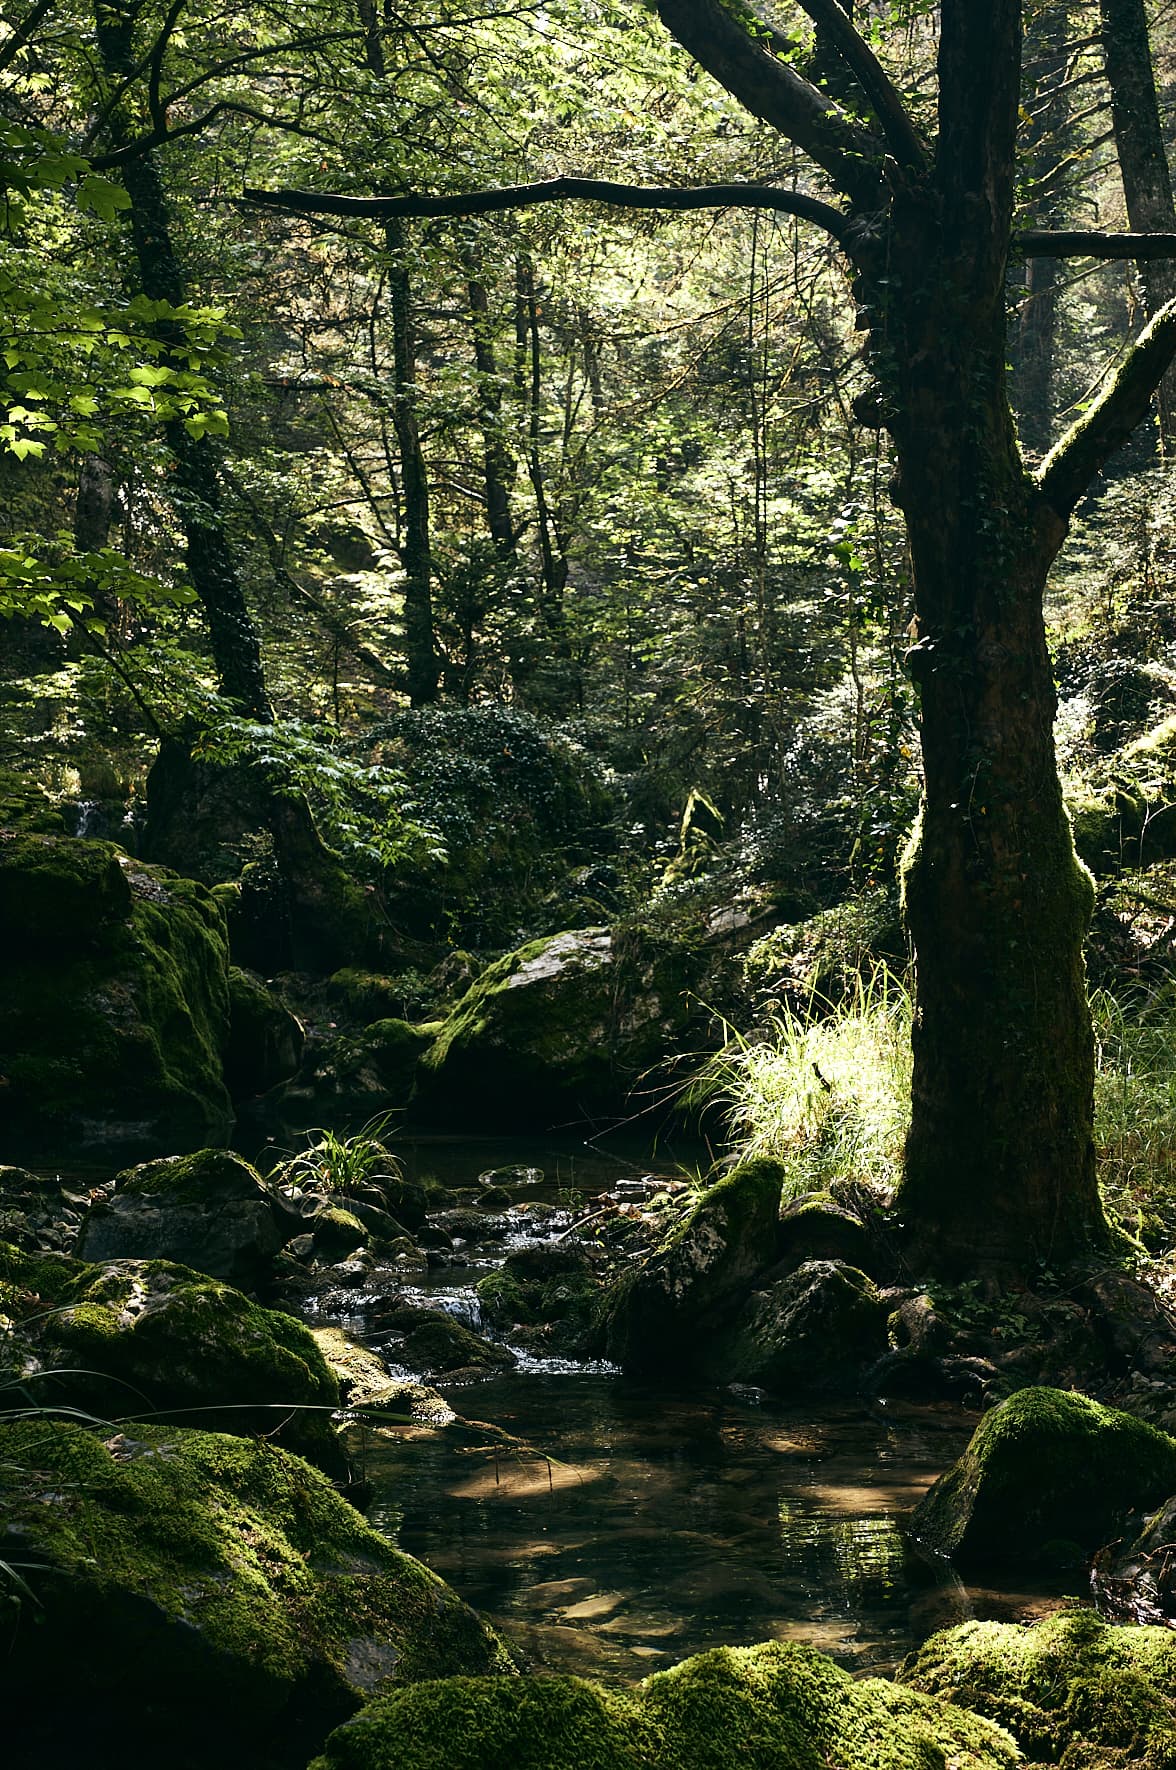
[
  {"x": 698, "y": 1278},
  {"x": 194, "y": 1581},
  {"x": 562, "y": 1028},
  {"x": 129, "y": 1337},
  {"x": 779, "y": 1705},
  {"x": 365, "y": 1384},
  {"x": 549, "y": 1298},
  {"x": 436, "y": 1343},
  {"x": 815, "y": 1332},
  {"x": 265, "y": 1040},
  {"x": 208, "y": 1210},
  {"x": 25, "y": 806},
  {"x": 1072, "y": 1690},
  {"x": 1045, "y": 1464},
  {"x": 337, "y": 1232},
  {"x": 369, "y": 1071},
  {"x": 115, "y": 1009},
  {"x": 813, "y": 1226}
]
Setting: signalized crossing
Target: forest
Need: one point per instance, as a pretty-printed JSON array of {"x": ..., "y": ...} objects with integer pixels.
[{"x": 588, "y": 884}]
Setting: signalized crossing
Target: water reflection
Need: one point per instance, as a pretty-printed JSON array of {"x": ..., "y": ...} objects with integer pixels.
[{"x": 667, "y": 1524}]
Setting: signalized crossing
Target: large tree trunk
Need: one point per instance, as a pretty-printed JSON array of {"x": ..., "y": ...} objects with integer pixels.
[{"x": 1000, "y": 1157}]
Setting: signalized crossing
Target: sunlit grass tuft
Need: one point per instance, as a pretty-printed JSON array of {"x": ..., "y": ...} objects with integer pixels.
[
  {"x": 828, "y": 1093},
  {"x": 1135, "y": 1110}
]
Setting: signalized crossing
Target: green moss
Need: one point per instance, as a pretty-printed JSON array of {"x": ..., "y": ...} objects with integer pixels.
[
  {"x": 24, "y": 806},
  {"x": 436, "y": 1342},
  {"x": 1071, "y": 1689},
  {"x": 115, "y": 1012},
  {"x": 144, "y": 1336},
  {"x": 1044, "y": 1464},
  {"x": 554, "y": 1295},
  {"x": 337, "y": 1231},
  {"x": 774, "y": 1707},
  {"x": 211, "y": 1581},
  {"x": 701, "y": 1274},
  {"x": 196, "y": 1179}
]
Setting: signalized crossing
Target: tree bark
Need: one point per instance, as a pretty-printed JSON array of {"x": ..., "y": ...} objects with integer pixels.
[
  {"x": 236, "y": 648},
  {"x": 1143, "y": 162}
]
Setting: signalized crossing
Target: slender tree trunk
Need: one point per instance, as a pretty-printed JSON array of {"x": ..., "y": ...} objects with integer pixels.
[
  {"x": 1143, "y": 163},
  {"x": 422, "y": 664},
  {"x": 1034, "y": 339},
  {"x": 498, "y": 466}
]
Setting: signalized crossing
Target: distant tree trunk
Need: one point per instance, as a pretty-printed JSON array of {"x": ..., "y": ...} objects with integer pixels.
[
  {"x": 236, "y": 648},
  {"x": 422, "y": 665},
  {"x": 1034, "y": 339},
  {"x": 498, "y": 467},
  {"x": 1143, "y": 163},
  {"x": 552, "y": 558}
]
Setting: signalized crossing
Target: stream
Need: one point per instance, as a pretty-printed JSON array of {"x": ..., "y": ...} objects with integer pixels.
[{"x": 649, "y": 1524}]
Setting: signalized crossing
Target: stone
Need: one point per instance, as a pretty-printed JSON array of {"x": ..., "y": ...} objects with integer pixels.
[
  {"x": 814, "y": 1226},
  {"x": 365, "y": 1385},
  {"x": 437, "y": 1343},
  {"x": 1043, "y": 1465},
  {"x": 265, "y": 1040},
  {"x": 781, "y": 1704},
  {"x": 816, "y": 1332},
  {"x": 115, "y": 1010},
  {"x": 1072, "y": 1689},
  {"x": 559, "y": 1030},
  {"x": 549, "y": 1298},
  {"x": 668, "y": 1311},
  {"x": 204, "y": 1587},
  {"x": 40, "y": 1211},
  {"x": 146, "y": 1337},
  {"x": 208, "y": 1210}
]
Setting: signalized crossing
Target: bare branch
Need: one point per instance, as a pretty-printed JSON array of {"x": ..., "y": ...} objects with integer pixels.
[
  {"x": 837, "y": 28},
  {"x": 23, "y": 33},
  {"x": 1073, "y": 462},
  {"x": 773, "y": 91},
  {"x": 1038, "y": 242},
  {"x": 558, "y": 190}
]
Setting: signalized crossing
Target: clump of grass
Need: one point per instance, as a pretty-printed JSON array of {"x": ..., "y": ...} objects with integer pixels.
[
  {"x": 338, "y": 1164},
  {"x": 828, "y": 1093},
  {"x": 1135, "y": 1110}
]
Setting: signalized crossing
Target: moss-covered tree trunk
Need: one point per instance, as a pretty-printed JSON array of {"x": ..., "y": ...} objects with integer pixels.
[{"x": 1000, "y": 1157}]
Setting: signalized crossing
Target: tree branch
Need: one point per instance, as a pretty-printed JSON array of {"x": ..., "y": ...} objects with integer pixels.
[
  {"x": 23, "y": 33},
  {"x": 557, "y": 190},
  {"x": 773, "y": 91},
  {"x": 1040, "y": 243},
  {"x": 836, "y": 26},
  {"x": 1073, "y": 462}
]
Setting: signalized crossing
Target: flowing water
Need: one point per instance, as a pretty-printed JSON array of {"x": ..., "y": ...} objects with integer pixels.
[{"x": 625, "y": 1527}]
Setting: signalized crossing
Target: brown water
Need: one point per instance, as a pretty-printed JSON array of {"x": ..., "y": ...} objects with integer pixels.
[{"x": 644, "y": 1525}]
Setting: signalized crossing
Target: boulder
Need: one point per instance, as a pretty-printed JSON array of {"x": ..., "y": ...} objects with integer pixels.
[
  {"x": 437, "y": 1343},
  {"x": 115, "y": 1010},
  {"x": 364, "y": 1072},
  {"x": 548, "y": 1297},
  {"x": 1046, "y": 1465},
  {"x": 815, "y": 1332},
  {"x": 203, "y": 1589},
  {"x": 561, "y": 1029},
  {"x": 365, "y": 1385},
  {"x": 208, "y": 1210},
  {"x": 1072, "y": 1690},
  {"x": 696, "y": 1281},
  {"x": 265, "y": 1041},
  {"x": 780, "y": 1704},
  {"x": 141, "y": 1337},
  {"x": 814, "y": 1226}
]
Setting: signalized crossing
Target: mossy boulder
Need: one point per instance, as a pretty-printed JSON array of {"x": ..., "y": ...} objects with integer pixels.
[
  {"x": 814, "y": 1226},
  {"x": 368, "y": 1071},
  {"x": 548, "y": 1298},
  {"x": 781, "y": 1705},
  {"x": 25, "y": 806},
  {"x": 208, "y": 1210},
  {"x": 198, "y": 1582},
  {"x": 438, "y": 1344},
  {"x": 115, "y": 1010},
  {"x": 364, "y": 1382},
  {"x": 337, "y": 1232},
  {"x": 815, "y": 1332},
  {"x": 265, "y": 1040},
  {"x": 1072, "y": 1690},
  {"x": 133, "y": 1337},
  {"x": 1044, "y": 1465},
  {"x": 696, "y": 1281},
  {"x": 561, "y": 1029}
]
